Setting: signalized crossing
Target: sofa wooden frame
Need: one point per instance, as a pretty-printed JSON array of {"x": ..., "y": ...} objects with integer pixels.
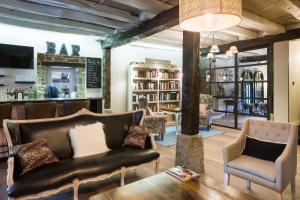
[{"x": 76, "y": 182}]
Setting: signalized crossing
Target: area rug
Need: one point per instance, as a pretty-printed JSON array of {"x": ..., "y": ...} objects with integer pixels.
[{"x": 170, "y": 136}]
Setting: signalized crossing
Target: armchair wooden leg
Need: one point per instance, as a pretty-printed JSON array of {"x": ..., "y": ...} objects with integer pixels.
[
  {"x": 75, "y": 189},
  {"x": 248, "y": 184},
  {"x": 123, "y": 172},
  {"x": 226, "y": 179},
  {"x": 156, "y": 166},
  {"x": 293, "y": 188},
  {"x": 279, "y": 196}
]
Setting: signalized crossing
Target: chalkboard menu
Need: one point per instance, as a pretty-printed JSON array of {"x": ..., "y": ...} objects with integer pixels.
[{"x": 93, "y": 72}]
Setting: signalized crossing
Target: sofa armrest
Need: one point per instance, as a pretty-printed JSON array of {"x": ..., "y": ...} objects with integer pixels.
[
  {"x": 10, "y": 171},
  {"x": 234, "y": 150},
  {"x": 286, "y": 163}
]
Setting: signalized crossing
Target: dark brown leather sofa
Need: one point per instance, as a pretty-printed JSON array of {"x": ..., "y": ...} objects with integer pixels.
[{"x": 71, "y": 172}]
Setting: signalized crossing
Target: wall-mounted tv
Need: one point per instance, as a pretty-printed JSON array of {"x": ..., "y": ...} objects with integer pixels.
[{"x": 14, "y": 56}]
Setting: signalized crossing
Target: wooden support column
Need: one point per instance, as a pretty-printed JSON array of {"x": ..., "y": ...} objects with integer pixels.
[
  {"x": 190, "y": 83},
  {"x": 107, "y": 77},
  {"x": 189, "y": 147}
]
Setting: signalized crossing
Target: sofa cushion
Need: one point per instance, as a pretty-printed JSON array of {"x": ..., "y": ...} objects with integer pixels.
[
  {"x": 262, "y": 168},
  {"x": 32, "y": 155},
  {"x": 135, "y": 156},
  {"x": 47, "y": 177},
  {"x": 88, "y": 140},
  {"x": 137, "y": 136},
  {"x": 63, "y": 172}
]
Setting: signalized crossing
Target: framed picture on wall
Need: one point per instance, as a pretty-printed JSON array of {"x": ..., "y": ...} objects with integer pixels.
[
  {"x": 56, "y": 77},
  {"x": 65, "y": 77}
]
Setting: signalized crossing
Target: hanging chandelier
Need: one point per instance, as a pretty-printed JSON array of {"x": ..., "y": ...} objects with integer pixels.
[
  {"x": 215, "y": 48},
  {"x": 209, "y": 15}
]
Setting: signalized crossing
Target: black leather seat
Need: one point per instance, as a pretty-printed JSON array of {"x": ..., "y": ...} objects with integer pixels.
[
  {"x": 135, "y": 156},
  {"x": 64, "y": 172}
]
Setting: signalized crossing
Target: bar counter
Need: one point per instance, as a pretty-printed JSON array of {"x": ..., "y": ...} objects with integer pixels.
[{"x": 18, "y": 105}]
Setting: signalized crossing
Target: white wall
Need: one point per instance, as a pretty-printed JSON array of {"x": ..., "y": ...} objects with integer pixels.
[
  {"x": 281, "y": 81},
  {"x": 15, "y": 35},
  {"x": 120, "y": 59},
  {"x": 294, "y": 89}
]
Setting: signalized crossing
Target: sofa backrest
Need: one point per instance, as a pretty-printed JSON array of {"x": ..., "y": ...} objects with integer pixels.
[
  {"x": 269, "y": 130},
  {"x": 56, "y": 130}
]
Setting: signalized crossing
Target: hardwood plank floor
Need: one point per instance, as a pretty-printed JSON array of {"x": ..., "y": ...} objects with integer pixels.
[{"x": 213, "y": 168}]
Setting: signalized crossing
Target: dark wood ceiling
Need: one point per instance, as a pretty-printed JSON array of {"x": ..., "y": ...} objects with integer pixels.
[{"x": 102, "y": 17}]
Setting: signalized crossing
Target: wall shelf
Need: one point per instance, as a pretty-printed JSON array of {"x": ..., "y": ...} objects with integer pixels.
[{"x": 25, "y": 82}]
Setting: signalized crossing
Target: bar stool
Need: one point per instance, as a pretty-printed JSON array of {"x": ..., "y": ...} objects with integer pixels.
[
  {"x": 40, "y": 110},
  {"x": 71, "y": 107},
  {"x": 5, "y": 113}
]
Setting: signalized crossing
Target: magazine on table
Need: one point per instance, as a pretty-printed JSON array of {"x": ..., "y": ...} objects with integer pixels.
[{"x": 182, "y": 173}]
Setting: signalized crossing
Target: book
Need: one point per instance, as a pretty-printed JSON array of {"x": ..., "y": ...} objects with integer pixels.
[{"x": 182, "y": 173}]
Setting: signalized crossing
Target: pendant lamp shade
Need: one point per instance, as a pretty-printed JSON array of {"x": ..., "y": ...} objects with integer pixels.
[
  {"x": 214, "y": 49},
  {"x": 233, "y": 49},
  {"x": 209, "y": 15}
]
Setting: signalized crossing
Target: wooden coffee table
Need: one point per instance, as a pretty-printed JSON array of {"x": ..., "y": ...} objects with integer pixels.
[{"x": 163, "y": 186}]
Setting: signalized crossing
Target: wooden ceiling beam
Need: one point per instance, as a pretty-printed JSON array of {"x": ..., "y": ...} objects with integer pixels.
[
  {"x": 241, "y": 32},
  {"x": 151, "y": 6},
  {"x": 290, "y": 6},
  {"x": 160, "y": 22},
  {"x": 45, "y": 10},
  {"x": 50, "y": 23},
  {"x": 256, "y": 22},
  {"x": 90, "y": 8}
]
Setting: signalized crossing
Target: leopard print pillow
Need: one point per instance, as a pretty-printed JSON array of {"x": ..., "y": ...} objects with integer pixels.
[
  {"x": 32, "y": 155},
  {"x": 137, "y": 136}
]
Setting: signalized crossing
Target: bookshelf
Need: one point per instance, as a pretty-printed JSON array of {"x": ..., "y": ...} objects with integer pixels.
[{"x": 159, "y": 81}]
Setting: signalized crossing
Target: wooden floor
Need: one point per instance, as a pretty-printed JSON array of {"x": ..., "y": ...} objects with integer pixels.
[{"x": 213, "y": 168}]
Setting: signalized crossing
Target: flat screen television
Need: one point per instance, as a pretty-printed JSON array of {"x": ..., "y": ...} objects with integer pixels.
[{"x": 14, "y": 56}]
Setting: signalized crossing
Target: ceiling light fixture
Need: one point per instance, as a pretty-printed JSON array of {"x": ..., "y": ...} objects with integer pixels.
[{"x": 209, "y": 15}]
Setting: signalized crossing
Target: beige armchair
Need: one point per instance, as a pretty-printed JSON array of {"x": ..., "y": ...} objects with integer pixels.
[{"x": 273, "y": 175}]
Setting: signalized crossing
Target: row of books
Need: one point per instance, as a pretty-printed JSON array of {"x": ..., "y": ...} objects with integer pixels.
[
  {"x": 152, "y": 107},
  {"x": 172, "y": 85},
  {"x": 150, "y": 97},
  {"x": 169, "y": 96},
  {"x": 170, "y": 105},
  {"x": 168, "y": 75},
  {"x": 145, "y": 74},
  {"x": 144, "y": 86}
]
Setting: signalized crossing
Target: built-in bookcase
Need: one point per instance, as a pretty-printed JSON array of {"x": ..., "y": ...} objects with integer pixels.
[{"x": 158, "y": 80}]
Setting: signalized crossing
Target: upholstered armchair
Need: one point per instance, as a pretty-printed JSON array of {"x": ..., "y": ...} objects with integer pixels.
[
  {"x": 275, "y": 175},
  {"x": 157, "y": 121},
  {"x": 205, "y": 110}
]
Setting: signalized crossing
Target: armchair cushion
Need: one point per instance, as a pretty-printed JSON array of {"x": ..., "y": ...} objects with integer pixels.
[
  {"x": 258, "y": 167},
  {"x": 263, "y": 150},
  {"x": 203, "y": 109},
  {"x": 157, "y": 123}
]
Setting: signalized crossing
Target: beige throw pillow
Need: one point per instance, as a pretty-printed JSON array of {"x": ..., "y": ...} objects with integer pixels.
[
  {"x": 88, "y": 140},
  {"x": 203, "y": 109}
]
